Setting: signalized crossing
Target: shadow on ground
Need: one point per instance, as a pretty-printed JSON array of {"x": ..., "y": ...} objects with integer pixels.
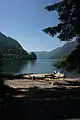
[{"x": 35, "y": 103}]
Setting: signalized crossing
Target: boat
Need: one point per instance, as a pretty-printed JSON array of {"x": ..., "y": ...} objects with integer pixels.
[{"x": 59, "y": 75}]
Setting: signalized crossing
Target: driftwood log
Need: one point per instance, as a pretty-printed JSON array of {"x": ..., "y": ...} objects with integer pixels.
[{"x": 31, "y": 76}]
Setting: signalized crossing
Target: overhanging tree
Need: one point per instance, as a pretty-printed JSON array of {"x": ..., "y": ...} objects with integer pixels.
[
  {"x": 69, "y": 16},
  {"x": 68, "y": 27}
]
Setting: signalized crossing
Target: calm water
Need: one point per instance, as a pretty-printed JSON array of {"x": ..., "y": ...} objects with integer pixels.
[
  {"x": 20, "y": 66},
  {"x": 38, "y": 66}
]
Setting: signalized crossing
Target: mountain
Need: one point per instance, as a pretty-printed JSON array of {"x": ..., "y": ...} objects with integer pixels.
[
  {"x": 64, "y": 51},
  {"x": 10, "y": 48},
  {"x": 42, "y": 55},
  {"x": 59, "y": 52}
]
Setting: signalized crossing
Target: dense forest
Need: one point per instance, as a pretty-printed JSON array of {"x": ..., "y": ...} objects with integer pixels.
[{"x": 10, "y": 48}]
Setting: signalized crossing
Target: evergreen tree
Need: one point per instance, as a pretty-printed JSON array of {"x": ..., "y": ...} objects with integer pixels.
[
  {"x": 68, "y": 28},
  {"x": 69, "y": 17}
]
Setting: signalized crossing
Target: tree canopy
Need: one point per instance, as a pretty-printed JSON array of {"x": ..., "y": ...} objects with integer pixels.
[
  {"x": 67, "y": 28},
  {"x": 69, "y": 17}
]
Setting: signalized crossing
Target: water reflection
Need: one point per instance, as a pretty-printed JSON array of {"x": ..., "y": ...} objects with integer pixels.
[
  {"x": 31, "y": 66},
  {"x": 27, "y": 66},
  {"x": 39, "y": 66},
  {"x": 12, "y": 66},
  {"x": 32, "y": 63}
]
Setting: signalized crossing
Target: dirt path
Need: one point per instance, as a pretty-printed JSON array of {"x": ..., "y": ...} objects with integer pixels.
[{"x": 46, "y": 83}]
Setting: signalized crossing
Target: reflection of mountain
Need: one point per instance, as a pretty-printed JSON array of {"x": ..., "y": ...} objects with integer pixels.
[
  {"x": 59, "y": 52},
  {"x": 12, "y": 66},
  {"x": 32, "y": 63}
]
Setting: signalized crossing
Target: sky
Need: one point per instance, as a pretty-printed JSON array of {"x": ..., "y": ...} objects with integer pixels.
[{"x": 24, "y": 21}]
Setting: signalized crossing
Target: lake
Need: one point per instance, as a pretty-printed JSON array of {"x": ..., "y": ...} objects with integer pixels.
[
  {"x": 25, "y": 66},
  {"x": 31, "y": 66},
  {"x": 39, "y": 66}
]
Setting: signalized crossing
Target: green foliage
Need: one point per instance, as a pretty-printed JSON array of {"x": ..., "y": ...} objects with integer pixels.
[
  {"x": 72, "y": 62},
  {"x": 74, "y": 59},
  {"x": 69, "y": 16},
  {"x": 61, "y": 64}
]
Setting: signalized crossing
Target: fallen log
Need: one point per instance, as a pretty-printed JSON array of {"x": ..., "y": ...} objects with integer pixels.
[{"x": 31, "y": 76}]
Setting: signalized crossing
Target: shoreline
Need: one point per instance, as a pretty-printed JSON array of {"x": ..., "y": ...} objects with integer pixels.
[
  {"x": 43, "y": 83},
  {"x": 39, "y": 80}
]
